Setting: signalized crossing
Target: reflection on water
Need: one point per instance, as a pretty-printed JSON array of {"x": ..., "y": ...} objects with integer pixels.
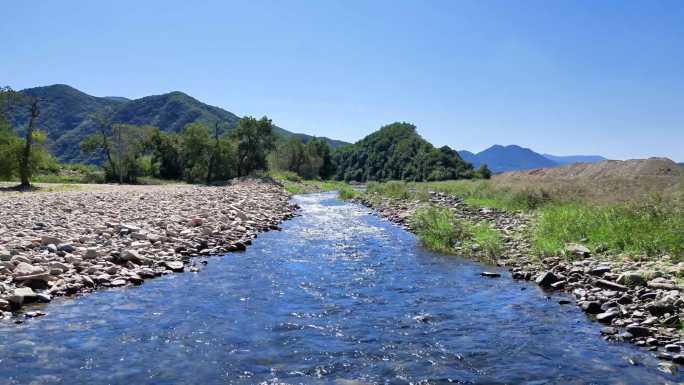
[{"x": 337, "y": 297}]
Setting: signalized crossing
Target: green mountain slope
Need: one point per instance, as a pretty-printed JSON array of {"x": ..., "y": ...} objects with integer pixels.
[
  {"x": 396, "y": 152},
  {"x": 65, "y": 116}
]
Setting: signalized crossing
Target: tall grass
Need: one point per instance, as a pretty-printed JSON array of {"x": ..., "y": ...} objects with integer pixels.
[
  {"x": 346, "y": 192},
  {"x": 438, "y": 229},
  {"x": 650, "y": 228},
  {"x": 391, "y": 189}
]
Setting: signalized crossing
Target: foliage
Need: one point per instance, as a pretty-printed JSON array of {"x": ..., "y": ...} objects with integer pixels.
[
  {"x": 17, "y": 159},
  {"x": 397, "y": 152},
  {"x": 391, "y": 189},
  {"x": 122, "y": 145},
  {"x": 309, "y": 160},
  {"x": 66, "y": 115},
  {"x": 346, "y": 192},
  {"x": 254, "y": 140}
]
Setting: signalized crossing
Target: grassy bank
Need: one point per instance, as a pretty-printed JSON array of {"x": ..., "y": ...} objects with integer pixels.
[
  {"x": 438, "y": 229},
  {"x": 642, "y": 223}
]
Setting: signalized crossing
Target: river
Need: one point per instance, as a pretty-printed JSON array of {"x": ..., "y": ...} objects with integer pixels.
[{"x": 338, "y": 296}]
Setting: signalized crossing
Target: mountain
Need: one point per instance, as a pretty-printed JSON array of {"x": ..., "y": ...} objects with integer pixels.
[
  {"x": 513, "y": 158},
  {"x": 570, "y": 159},
  {"x": 397, "y": 152},
  {"x": 506, "y": 158},
  {"x": 65, "y": 116}
]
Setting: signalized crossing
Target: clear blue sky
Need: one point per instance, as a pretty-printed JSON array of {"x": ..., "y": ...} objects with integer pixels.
[{"x": 604, "y": 77}]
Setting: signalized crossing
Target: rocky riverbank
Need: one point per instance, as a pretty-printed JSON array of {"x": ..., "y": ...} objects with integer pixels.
[
  {"x": 65, "y": 243},
  {"x": 637, "y": 301}
]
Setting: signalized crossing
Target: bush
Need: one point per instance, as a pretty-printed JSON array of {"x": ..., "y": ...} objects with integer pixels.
[
  {"x": 346, "y": 192},
  {"x": 438, "y": 229}
]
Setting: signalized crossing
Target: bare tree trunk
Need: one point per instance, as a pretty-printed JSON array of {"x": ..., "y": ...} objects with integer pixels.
[
  {"x": 212, "y": 158},
  {"x": 25, "y": 164}
]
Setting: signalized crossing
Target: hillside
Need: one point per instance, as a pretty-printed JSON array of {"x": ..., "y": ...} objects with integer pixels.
[
  {"x": 397, "y": 152},
  {"x": 633, "y": 168},
  {"x": 65, "y": 116},
  {"x": 609, "y": 181}
]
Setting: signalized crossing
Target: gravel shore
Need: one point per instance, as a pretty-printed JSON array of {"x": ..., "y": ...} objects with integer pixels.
[
  {"x": 637, "y": 300},
  {"x": 64, "y": 243}
]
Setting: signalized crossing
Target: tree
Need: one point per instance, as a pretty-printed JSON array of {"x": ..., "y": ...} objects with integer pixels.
[
  {"x": 166, "y": 155},
  {"x": 254, "y": 140},
  {"x": 21, "y": 156},
  {"x": 484, "y": 172},
  {"x": 123, "y": 145},
  {"x": 195, "y": 152}
]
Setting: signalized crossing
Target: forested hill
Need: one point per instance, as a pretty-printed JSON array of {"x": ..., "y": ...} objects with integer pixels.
[
  {"x": 66, "y": 116},
  {"x": 396, "y": 151}
]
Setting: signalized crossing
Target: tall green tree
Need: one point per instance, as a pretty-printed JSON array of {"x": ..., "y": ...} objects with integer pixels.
[
  {"x": 196, "y": 152},
  {"x": 22, "y": 157},
  {"x": 254, "y": 139},
  {"x": 166, "y": 154},
  {"x": 123, "y": 145}
]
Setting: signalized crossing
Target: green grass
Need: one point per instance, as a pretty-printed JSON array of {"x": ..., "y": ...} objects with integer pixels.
[
  {"x": 650, "y": 229},
  {"x": 391, "y": 189},
  {"x": 438, "y": 229},
  {"x": 346, "y": 192}
]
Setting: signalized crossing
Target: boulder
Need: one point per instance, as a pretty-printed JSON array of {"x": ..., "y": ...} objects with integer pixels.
[
  {"x": 546, "y": 279},
  {"x": 604, "y": 284},
  {"x": 490, "y": 274},
  {"x": 577, "y": 250},
  {"x": 638, "y": 330},
  {"x": 174, "y": 266},
  {"x": 21, "y": 296},
  {"x": 47, "y": 240},
  {"x": 631, "y": 279},
  {"x": 660, "y": 308}
]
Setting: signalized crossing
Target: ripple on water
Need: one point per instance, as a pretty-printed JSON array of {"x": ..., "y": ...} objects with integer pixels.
[{"x": 337, "y": 297}]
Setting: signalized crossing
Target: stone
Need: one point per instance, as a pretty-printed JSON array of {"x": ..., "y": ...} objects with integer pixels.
[
  {"x": 577, "y": 250},
  {"x": 602, "y": 283},
  {"x": 66, "y": 247},
  {"x": 661, "y": 283},
  {"x": 673, "y": 348},
  {"x": 591, "y": 307},
  {"x": 660, "y": 308},
  {"x": 91, "y": 253},
  {"x": 47, "y": 240},
  {"x": 631, "y": 279},
  {"x": 118, "y": 282},
  {"x": 546, "y": 279},
  {"x": 607, "y": 316},
  {"x": 21, "y": 296},
  {"x": 133, "y": 256},
  {"x": 600, "y": 271},
  {"x": 608, "y": 330},
  {"x": 490, "y": 274},
  {"x": 175, "y": 266},
  {"x": 638, "y": 330}
]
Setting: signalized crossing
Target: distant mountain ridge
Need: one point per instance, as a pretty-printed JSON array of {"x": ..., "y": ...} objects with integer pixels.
[
  {"x": 515, "y": 158},
  {"x": 66, "y": 111}
]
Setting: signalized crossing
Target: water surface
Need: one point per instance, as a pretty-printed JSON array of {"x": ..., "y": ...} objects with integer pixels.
[{"x": 338, "y": 297}]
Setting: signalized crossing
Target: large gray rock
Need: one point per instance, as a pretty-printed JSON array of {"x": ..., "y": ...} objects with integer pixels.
[
  {"x": 47, "y": 240},
  {"x": 577, "y": 250},
  {"x": 546, "y": 279},
  {"x": 604, "y": 284},
  {"x": 174, "y": 266},
  {"x": 21, "y": 296},
  {"x": 631, "y": 278}
]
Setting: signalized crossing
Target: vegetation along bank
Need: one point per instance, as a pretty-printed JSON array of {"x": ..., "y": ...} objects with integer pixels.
[{"x": 619, "y": 255}]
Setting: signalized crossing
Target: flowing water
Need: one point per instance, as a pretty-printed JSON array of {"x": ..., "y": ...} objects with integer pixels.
[{"x": 338, "y": 297}]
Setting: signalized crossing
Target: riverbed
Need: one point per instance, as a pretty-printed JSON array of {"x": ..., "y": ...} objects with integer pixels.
[{"x": 338, "y": 296}]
